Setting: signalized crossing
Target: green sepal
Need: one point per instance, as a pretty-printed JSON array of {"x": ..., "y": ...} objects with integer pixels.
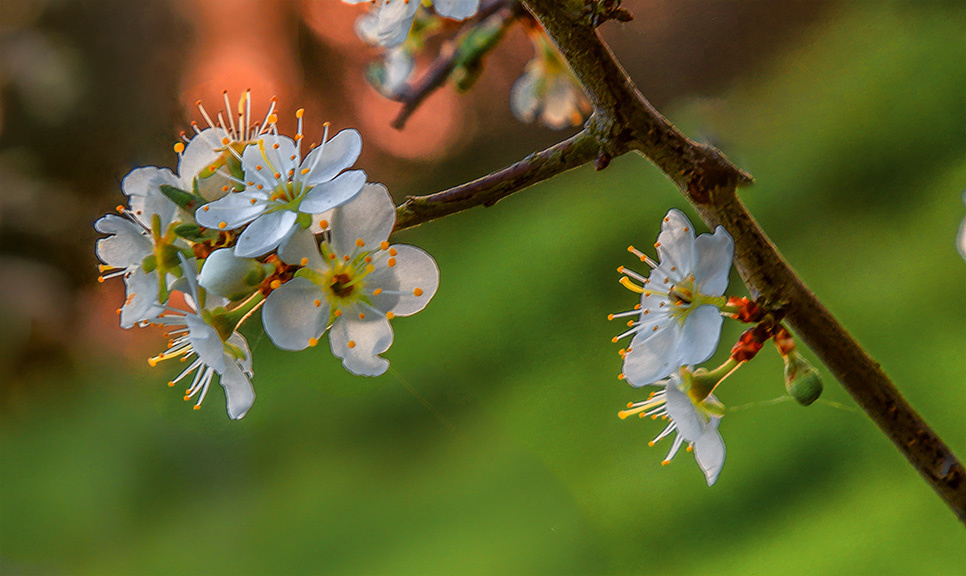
[
  {"x": 182, "y": 198},
  {"x": 195, "y": 233}
]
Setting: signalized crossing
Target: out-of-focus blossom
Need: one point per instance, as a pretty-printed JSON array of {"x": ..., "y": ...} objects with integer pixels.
[
  {"x": 548, "y": 91},
  {"x": 389, "y": 21},
  {"x": 390, "y": 76}
]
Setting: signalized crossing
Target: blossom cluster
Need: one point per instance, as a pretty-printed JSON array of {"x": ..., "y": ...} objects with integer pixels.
[
  {"x": 255, "y": 222},
  {"x": 676, "y": 325}
]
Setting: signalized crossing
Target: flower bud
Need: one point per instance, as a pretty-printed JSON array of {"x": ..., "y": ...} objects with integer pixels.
[
  {"x": 226, "y": 275},
  {"x": 802, "y": 380}
]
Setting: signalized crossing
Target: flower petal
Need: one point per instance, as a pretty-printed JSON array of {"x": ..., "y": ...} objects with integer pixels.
[
  {"x": 142, "y": 186},
  {"x": 456, "y": 9},
  {"x": 700, "y": 336},
  {"x": 415, "y": 272},
  {"x": 301, "y": 246},
  {"x": 234, "y": 210},
  {"x": 332, "y": 193},
  {"x": 206, "y": 342},
  {"x": 265, "y": 233},
  {"x": 675, "y": 243},
  {"x": 200, "y": 153},
  {"x": 389, "y": 24},
  {"x": 239, "y": 393},
  {"x": 127, "y": 245},
  {"x": 290, "y": 316},
  {"x": 142, "y": 298},
  {"x": 653, "y": 355},
  {"x": 238, "y": 341},
  {"x": 331, "y": 157},
  {"x": 270, "y": 160},
  {"x": 714, "y": 254},
  {"x": 682, "y": 411},
  {"x": 369, "y": 217},
  {"x": 709, "y": 451},
  {"x": 358, "y": 343},
  {"x": 524, "y": 100}
]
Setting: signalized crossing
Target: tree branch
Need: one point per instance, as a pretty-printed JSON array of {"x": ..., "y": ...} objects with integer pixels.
[
  {"x": 577, "y": 150},
  {"x": 710, "y": 182}
]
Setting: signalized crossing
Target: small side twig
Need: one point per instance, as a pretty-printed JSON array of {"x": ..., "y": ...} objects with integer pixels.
[{"x": 576, "y": 151}]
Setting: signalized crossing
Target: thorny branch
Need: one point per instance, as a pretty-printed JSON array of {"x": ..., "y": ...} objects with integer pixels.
[{"x": 624, "y": 120}]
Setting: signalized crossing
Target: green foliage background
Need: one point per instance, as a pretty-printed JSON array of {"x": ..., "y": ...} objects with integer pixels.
[{"x": 493, "y": 445}]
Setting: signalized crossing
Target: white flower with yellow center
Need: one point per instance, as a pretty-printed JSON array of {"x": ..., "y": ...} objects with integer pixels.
[
  {"x": 354, "y": 285},
  {"x": 678, "y": 321},
  {"x": 388, "y": 21},
  {"x": 141, "y": 245},
  {"x": 283, "y": 190},
  {"x": 694, "y": 413},
  {"x": 209, "y": 344},
  {"x": 209, "y": 162}
]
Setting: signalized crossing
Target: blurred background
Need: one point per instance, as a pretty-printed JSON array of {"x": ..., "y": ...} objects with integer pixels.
[{"x": 493, "y": 445}]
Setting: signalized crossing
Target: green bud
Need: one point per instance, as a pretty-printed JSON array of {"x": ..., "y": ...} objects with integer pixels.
[
  {"x": 226, "y": 275},
  {"x": 802, "y": 380}
]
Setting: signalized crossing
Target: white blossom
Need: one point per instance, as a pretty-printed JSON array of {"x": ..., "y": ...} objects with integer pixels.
[
  {"x": 353, "y": 285},
  {"x": 693, "y": 417},
  {"x": 139, "y": 242},
  {"x": 389, "y": 21},
  {"x": 678, "y": 321},
  {"x": 282, "y": 190},
  {"x": 208, "y": 351}
]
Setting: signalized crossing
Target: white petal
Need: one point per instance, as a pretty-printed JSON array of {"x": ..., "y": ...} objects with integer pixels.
[
  {"x": 369, "y": 216},
  {"x": 653, "y": 355},
  {"x": 272, "y": 160},
  {"x": 239, "y": 394},
  {"x": 142, "y": 298},
  {"x": 560, "y": 103},
  {"x": 682, "y": 411},
  {"x": 238, "y": 341},
  {"x": 714, "y": 254},
  {"x": 234, "y": 210},
  {"x": 265, "y": 233},
  {"x": 200, "y": 153},
  {"x": 335, "y": 192},
  {"x": 709, "y": 452},
  {"x": 142, "y": 186},
  {"x": 393, "y": 21},
  {"x": 302, "y": 245},
  {"x": 332, "y": 157},
  {"x": 358, "y": 343},
  {"x": 415, "y": 271},
  {"x": 676, "y": 242},
  {"x": 524, "y": 100},
  {"x": 128, "y": 244},
  {"x": 206, "y": 342},
  {"x": 291, "y": 317},
  {"x": 700, "y": 336},
  {"x": 456, "y": 9}
]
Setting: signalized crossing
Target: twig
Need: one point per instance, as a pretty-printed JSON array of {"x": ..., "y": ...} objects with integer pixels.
[
  {"x": 449, "y": 56},
  {"x": 710, "y": 183},
  {"x": 577, "y": 150}
]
